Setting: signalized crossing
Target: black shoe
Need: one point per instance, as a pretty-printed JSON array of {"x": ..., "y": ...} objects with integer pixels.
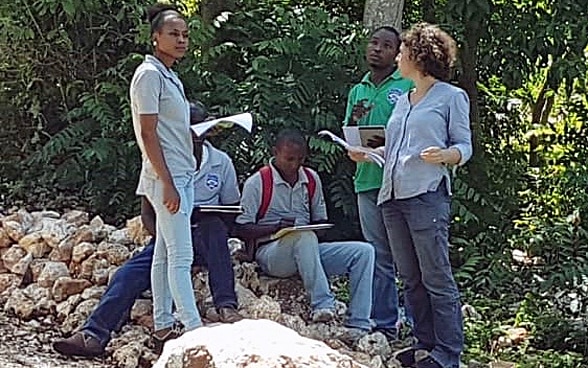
[
  {"x": 406, "y": 357},
  {"x": 79, "y": 344},
  {"x": 160, "y": 337}
]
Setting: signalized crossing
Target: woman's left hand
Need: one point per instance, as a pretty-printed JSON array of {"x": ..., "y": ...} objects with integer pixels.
[{"x": 435, "y": 155}]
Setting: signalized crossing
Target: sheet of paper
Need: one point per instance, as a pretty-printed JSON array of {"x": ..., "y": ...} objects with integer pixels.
[
  {"x": 360, "y": 135},
  {"x": 220, "y": 209},
  {"x": 244, "y": 120},
  {"x": 374, "y": 157},
  {"x": 352, "y": 135},
  {"x": 288, "y": 230}
]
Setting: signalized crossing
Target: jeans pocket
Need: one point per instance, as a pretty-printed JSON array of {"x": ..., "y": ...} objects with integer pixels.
[{"x": 429, "y": 211}]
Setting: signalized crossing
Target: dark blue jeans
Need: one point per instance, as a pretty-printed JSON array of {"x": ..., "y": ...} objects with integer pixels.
[
  {"x": 209, "y": 239},
  {"x": 418, "y": 231}
]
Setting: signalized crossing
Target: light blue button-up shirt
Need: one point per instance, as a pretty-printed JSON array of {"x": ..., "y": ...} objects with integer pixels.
[{"x": 441, "y": 119}]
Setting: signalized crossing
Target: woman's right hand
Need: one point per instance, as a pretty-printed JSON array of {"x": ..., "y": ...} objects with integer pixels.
[
  {"x": 357, "y": 155},
  {"x": 171, "y": 198}
]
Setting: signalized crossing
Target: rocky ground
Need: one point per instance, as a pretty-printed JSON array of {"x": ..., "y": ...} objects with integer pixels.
[
  {"x": 28, "y": 345},
  {"x": 54, "y": 268}
]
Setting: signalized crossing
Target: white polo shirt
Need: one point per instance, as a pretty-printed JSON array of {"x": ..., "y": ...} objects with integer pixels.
[
  {"x": 287, "y": 201},
  {"x": 216, "y": 181},
  {"x": 155, "y": 89}
]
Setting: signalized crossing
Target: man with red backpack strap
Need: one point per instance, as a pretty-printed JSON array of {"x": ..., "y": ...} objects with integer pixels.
[{"x": 284, "y": 194}]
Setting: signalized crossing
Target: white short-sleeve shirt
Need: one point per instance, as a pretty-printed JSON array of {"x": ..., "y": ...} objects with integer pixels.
[{"x": 155, "y": 89}]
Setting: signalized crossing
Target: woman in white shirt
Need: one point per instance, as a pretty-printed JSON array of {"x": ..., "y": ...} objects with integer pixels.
[{"x": 161, "y": 120}]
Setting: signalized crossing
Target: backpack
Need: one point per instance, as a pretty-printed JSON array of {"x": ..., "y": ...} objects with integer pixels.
[{"x": 267, "y": 188}]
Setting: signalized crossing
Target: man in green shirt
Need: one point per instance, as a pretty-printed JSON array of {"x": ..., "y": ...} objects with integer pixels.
[{"x": 371, "y": 102}]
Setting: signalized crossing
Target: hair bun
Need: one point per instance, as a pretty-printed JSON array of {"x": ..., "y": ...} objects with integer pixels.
[{"x": 155, "y": 10}]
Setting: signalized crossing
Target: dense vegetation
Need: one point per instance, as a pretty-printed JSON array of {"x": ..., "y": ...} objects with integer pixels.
[{"x": 520, "y": 245}]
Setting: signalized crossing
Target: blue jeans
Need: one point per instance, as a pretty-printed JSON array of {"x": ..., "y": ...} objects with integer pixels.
[
  {"x": 209, "y": 237},
  {"x": 385, "y": 293},
  {"x": 301, "y": 253},
  {"x": 127, "y": 284},
  {"x": 418, "y": 231},
  {"x": 171, "y": 281}
]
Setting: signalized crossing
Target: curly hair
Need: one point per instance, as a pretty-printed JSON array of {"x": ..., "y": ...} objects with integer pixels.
[{"x": 431, "y": 48}]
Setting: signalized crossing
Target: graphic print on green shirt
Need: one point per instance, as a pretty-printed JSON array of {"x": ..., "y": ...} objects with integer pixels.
[{"x": 368, "y": 176}]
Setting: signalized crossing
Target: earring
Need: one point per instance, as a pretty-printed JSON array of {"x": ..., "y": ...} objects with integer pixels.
[{"x": 154, "y": 43}]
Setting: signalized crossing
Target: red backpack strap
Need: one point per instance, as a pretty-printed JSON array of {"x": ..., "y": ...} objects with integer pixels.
[
  {"x": 311, "y": 187},
  {"x": 267, "y": 188}
]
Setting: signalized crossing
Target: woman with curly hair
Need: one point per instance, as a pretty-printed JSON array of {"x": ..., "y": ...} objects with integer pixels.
[{"x": 428, "y": 131}]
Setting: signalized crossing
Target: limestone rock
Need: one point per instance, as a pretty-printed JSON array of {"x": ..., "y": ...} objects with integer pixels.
[
  {"x": 117, "y": 254},
  {"x": 3, "y": 268},
  {"x": 82, "y": 251},
  {"x": 76, "y": 218},
  {"x": 36, "y": 267},
  {"x": 120, "y": 236},
  {"x": 12, "y": 256},
  {"x": 8, "y": 281},
  {"x": 253, "y": 344},
  {"x": 5, "y": 240},
  {"x": 62, "y": 251},
  {"x": 100, "y": 272},
  {"x": 14, "y": 230},
  {"x": 34, "y": 244},
  {"x": 97, "y": 222},
  {"x": 93, "y": 292},
  {"x": 65, "y": 286},
  {"x": 137, "y": 231},
  {"x": 51, "y": 272},
  {"x": 67, "y": 307},
  {"x": 23, "y": 264},
  {"x": 142, "y": 313},
  {"x": 375, "y": 344},
  {"x": 29, "y": 302},
  {"x": 78, "y": 317}
]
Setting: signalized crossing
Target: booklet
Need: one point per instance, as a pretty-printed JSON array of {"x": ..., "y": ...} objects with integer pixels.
[
  {"x": 361, "y": 135},
  {"x": 244, "y": 120},
  {"x": 374, "y": 157},
  {"x": 208, "y": 208},
  {"x": 288, "y": 230}
]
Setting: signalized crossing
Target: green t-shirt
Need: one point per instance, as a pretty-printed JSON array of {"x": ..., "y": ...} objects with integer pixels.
[{"x": 368, "y": 176}]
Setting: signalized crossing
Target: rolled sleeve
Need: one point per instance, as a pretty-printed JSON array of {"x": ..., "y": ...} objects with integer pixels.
[
  {"x": 250, "y": 200},
  {"x": 318, "y": 207},
  {"x": 460, "y": 134},
  {"x": 146, "y": 90}
]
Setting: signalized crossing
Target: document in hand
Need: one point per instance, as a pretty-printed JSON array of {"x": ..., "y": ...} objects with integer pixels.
[
  {"x": 288, "y": 230},
  {"x": 374, "y": 157},
  {"x": 208, "y": 208},
  {"x": 244, "y": 120},
  {"x": 361, "y": 135}
]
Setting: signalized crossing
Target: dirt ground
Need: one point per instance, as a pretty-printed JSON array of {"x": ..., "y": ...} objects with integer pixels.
[{"x": 28, "y": 345}]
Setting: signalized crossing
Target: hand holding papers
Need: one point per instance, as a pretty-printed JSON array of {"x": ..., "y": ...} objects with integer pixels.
[
  {"x": 243, "y": 120},
  {"x": 367, "y": 152}
]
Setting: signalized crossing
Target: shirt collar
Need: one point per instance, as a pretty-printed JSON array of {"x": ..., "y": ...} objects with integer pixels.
[
  {"x": 395, "y": 76},
  {"x": 213, "y": 155},
  {"x": 302, "y": 179},
  {"x": 159, "y": 65}
]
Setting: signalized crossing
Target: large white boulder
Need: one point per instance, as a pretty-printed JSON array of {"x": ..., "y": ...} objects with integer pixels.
[{"x": 250, "y": 343}]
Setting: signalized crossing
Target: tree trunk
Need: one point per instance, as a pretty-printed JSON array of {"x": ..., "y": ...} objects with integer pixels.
[{"x": 379, "y": 13}]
